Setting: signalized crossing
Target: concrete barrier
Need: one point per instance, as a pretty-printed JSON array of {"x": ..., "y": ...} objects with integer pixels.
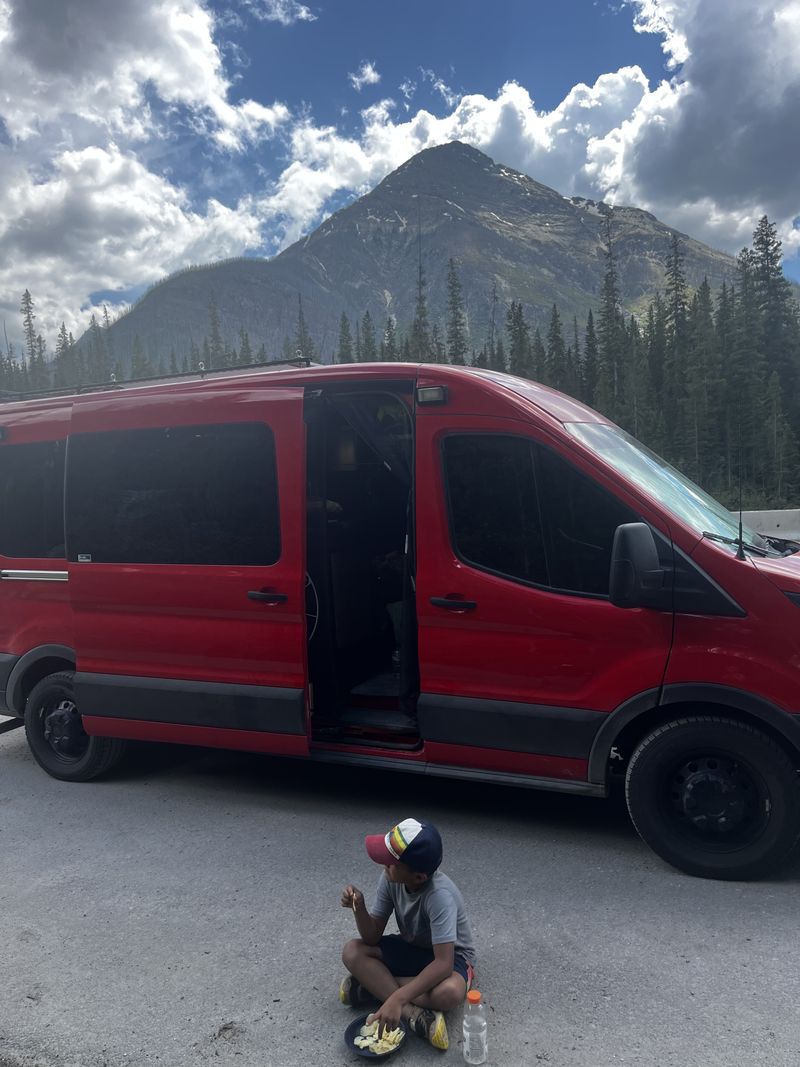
[{"x": 778, "y": 523}]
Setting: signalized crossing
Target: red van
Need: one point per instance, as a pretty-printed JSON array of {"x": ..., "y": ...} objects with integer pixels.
[{"x": 445, "y": 570}]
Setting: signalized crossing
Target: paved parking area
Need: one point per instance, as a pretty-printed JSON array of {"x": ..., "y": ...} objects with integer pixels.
[{"x": 186, "y": 911}]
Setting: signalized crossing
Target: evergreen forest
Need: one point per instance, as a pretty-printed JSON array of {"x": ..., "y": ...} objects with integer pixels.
[{"x": 709, "y": 380}]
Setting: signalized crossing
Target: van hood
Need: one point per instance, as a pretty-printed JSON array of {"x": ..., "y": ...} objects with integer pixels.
[{"x": 783, "y": 571}]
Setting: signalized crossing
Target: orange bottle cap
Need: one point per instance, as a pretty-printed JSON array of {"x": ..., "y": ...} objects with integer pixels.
[{"x": 474, "y": 996}]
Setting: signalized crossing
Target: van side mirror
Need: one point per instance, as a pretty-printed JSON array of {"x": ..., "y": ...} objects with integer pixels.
[{"x": 636, "y": 579}]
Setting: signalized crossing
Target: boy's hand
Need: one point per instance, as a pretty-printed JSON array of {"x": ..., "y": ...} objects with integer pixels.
[
  {"x": 353, "y": 898},
  {"x": 389, "y": 1013}
]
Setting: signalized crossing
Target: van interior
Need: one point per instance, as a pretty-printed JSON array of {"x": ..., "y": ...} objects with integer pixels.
[{"x": 360, "y": 613}]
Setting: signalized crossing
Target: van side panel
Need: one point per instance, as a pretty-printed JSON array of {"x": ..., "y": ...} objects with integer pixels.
[
  {"x": 196, "y": 645},
  {"x": 35, "y": 608}
]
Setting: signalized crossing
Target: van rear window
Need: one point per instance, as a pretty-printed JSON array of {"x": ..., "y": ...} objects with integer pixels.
[
  {"x": 32, "y": 500},
  {"x": 181, "y": 495}
]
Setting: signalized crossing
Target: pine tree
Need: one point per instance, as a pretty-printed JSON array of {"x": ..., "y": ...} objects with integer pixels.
[
  {"x": 703, "y": 390},
  {"x": 420, "y": 339},
  {"x": 216, "y": 349},
  {"x": 369, "y": 347},
  {"x": 63, "y": 372},
  {"x": 780, "y": 341},
  {"x": 28, "y": 327},
  {"x": 390, "y": 351},
  {"x": 555, "y": 352},
  {"x": 140, "y": 365},
  {"x": 344, "y": 352},
  {"x": 589, "y": 363},
  {"x": 519, "y": 345},
  {"x": 674, "y": 374},
  {"x": 245, "y": 351},
  {"x": 438, "y": 350},
  {"x": 304, "y": 346},
  {"x": 610, "y": 337},
  {"x": 97, "y": 365},
  {"x": 457, "y": 344},
  {"x": 538, "y": 356}
]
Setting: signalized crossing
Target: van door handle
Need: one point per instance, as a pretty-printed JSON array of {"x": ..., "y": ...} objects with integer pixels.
[
  {"x": 267, "y": 597},
  {"x": 453, "y": 603}
]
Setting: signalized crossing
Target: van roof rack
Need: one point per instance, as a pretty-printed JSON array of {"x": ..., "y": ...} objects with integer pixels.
[{"x": 197, "y": 372}]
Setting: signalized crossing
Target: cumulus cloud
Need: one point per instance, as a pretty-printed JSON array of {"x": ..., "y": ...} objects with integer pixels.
[
  {"x": 365, "y": 75},
  {"x": 70, "y": 61},
  {"x": 708, "y": 149},
  {"x": 87, "y": 100},
  {"x": 102, "y": 221},
  {"x": 730, "y": 130}
]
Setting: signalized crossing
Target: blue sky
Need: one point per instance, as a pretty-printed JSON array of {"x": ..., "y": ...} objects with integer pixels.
[{"x": 186, "y": 131}]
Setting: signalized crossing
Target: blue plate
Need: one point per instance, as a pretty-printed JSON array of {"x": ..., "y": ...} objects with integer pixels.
[{"x": 353, "y": 1031}]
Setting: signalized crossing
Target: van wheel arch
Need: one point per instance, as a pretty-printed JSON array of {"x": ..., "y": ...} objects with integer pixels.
[
  {"x": 29, "y": 670},
  {"x": 626, "y": 727}
]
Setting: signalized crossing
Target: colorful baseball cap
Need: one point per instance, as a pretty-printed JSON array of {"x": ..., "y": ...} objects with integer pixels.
[{"x": 415, "y": 843}]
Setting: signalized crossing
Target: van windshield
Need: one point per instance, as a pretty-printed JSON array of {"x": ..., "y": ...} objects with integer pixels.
[{"x": 663, "y": 482}]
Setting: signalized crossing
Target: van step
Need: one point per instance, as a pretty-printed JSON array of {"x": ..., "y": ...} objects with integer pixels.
[
  {"x": 384, "y": 719},
  {"x": 10, "y": 724},
  {"x": 381, "y": 685}
]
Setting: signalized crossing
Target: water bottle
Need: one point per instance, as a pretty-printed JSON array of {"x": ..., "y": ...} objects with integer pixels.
[{"x": 475, "y": 1043}]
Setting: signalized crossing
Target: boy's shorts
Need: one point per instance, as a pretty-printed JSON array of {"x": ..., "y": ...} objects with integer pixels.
[{"x": 405, "y": 960}]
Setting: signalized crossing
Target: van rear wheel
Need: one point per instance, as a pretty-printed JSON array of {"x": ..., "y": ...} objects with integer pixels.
[
  {"x": 714, "y": 797},
  {"x": 56, "y": 736}
]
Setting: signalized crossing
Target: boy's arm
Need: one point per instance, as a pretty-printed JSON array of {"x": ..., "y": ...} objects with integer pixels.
[{"x": 370, "y": 927}]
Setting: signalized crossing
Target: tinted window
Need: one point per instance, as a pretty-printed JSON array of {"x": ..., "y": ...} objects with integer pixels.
[
  {"x": 494, "y": 515},
  {"x": 186, "y": 494},
  {"x": 580, "y": 518},
  {"x": 32, "y": 500}
]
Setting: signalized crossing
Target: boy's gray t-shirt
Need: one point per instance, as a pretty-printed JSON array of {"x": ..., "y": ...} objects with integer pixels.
[{"x": 432, "y": 915}]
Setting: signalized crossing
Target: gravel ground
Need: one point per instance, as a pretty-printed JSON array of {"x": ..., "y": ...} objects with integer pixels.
[{"x": 186, "y": 911}]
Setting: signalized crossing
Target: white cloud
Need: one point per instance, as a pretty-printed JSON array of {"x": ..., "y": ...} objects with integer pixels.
[
  {"x": 100, "y": 221},
  {"x": 708, "y": 151},
  {"x": 365, "y": 75},
  {"x": 447, "y": 94},
  {"x": 68, "y": 63},
  {"x": 285, "y": 12},
  {"x": 88, "y": 99}
]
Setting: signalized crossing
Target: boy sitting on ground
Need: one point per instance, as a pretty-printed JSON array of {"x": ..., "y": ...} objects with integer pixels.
[{"x": 427, "y": 968}]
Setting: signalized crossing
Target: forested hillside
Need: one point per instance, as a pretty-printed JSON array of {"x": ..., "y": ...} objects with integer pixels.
[{"x": 707, "y": 379}]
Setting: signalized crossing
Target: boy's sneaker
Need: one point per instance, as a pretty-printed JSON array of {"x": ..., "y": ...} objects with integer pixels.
[
  {"x": 353, "y": 993},
  {"x": 431, "y": 1027}
]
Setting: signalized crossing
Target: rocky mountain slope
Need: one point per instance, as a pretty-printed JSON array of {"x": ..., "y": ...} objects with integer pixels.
[{"x": 499, "y": 225}]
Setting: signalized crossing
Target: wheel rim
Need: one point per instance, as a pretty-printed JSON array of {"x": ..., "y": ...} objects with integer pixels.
[
  {"x": 717, "y": 799},
  {"x": 63, "y": 730}
]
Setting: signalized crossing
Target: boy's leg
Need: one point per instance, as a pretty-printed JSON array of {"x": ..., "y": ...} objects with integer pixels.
[
  {"x": 366, "y": 965},
  {"x": 443, "y": 997}
]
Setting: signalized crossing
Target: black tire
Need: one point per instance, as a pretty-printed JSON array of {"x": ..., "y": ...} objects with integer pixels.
[
  {"x": 56, "y": 736},
  {"x": 714, "y": 797}
]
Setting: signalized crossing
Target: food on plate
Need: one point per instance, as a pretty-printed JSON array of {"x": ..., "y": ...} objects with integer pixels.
[{"x": 369, "y": 1039}]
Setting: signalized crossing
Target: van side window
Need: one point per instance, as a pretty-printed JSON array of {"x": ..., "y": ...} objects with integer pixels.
[
  {"x": 181, "y": 495},
  {"x": 580, "y": 518},
  {"x": 494, "y": 515},
  {"x": 32, "y": 500}
]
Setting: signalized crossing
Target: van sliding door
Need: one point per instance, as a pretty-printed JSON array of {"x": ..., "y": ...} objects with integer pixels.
[{"x": 185, "y": 518}]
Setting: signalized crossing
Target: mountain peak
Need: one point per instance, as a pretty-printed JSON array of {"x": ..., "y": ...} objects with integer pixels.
[{"x": 508, "y": 234}]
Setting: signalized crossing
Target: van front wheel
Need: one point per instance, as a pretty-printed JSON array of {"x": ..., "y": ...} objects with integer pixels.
[
  {"x": 714, "y": 797},
  {"x": 56, "y": 736}
]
